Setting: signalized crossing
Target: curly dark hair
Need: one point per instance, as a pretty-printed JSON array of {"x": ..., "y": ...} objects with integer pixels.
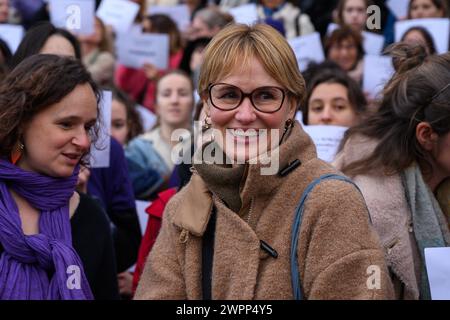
[{"x": 35, "y": 84}]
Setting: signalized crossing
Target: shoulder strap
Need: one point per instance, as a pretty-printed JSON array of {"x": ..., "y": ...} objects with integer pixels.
[
  {"x": 208, "y": 255},
  {"x": 295, "y": 274}
]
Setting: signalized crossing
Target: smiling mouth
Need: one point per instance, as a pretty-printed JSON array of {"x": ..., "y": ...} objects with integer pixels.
[{"x": 74, "y": 157}]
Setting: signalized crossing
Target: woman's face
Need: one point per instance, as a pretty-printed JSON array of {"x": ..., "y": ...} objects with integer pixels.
[
  {"x": 244, "y": 127},
  {"x": 344, "y": 53},
  {"x": 57, "y": 137},
  {"x": 424, "y": 9},
  {"x": 119, "y": 122},
  {"x": 329, "y": 105},
  {"x": 354, "y": 14},
  {"x": 415, "y": 37},
  {"x": 58, "y": 45},
  {"x": 175, "y": 101}
]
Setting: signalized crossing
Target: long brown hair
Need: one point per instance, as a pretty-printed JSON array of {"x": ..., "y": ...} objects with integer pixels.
[{"x": 418, "y": 92}]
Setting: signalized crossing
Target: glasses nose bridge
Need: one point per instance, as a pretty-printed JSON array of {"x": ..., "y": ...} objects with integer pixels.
[{"x": 247, "y": 95}]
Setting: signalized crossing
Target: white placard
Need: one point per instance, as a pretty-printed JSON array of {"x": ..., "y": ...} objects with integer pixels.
[
  {"x": 307, "y": 48},
  {"x": 399, "y": 8},
  {"x": 246, "y": 14},
  {"x": 180, "y": 14},
  {"x": 331, "y": 27},
  {"x": 119, "y": 14},
  {"x": 326, "y": 139},
  {"x": 142, "y": 215},
  {"x": 437, "y": 261},
  {"x": 373, "y": 43},
  {"x": 437, "y": 27},
  {"x": 74, "y": 15},
  {"x": 12, "y": 35},
  {"x": 377, "y": 71},
  {"x": 135, "y": 50},
  {"x": 101, "y": 149}
]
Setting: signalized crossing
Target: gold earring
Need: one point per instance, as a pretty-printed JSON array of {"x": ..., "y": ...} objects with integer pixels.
[
  {"x": 206, "y": 124},
  {"x": 17, "y": 152}
]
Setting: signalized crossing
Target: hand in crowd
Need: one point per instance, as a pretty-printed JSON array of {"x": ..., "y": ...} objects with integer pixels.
[{"x": 151, "y": 72}]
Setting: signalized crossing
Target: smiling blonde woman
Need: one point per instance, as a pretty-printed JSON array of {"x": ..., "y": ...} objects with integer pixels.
[{"x": 227, "y": 234}]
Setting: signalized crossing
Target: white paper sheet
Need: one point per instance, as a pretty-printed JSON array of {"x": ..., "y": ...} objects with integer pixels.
[
  {"x": 142, "y": 215},
  {"x": 438, "y": 268},
  {"x": 246, "y": 14},
  {"x": 101, "y": 149},
  {"x": 326, "y": 139},
  {"x": 377, "y": 71},
  {"x": 438, "y": 28},
  {"x": 74, "y": 15},
  {"x": 373, "y": 43},
  {"x": 119, "y": 14},
  {"x": 136, "y": 49},
  {"x": 307, "y": 49},
  {"x": 398, "y": 7},
  {"x": 12, "y": 34},
  {"x": 180, "y": 14}
]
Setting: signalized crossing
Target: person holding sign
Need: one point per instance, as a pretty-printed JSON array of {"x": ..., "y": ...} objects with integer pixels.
[
  {"x": 333, "y": 98},
  {"x": 55, "y": 243},
  {"x": 227, "y": 233},
  {"x": 400, "y": 159},
  {"x": 140, "y": 84},
  {"x": 345, "y": 47},
  {"x": 420, "y": 9},
  {"x": 97, "y": 54}
]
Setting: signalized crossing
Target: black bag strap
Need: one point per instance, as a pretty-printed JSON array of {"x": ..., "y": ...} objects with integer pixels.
[{"x": 208, "y": 255}]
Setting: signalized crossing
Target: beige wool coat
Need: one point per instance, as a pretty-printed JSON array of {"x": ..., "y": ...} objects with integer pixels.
[
  {"x": 337, "y": 245},
  {"x": 391, "y": 217}
]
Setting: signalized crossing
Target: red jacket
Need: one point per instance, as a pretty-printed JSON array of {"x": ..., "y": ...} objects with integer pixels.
[{"x": 155, "y": 212}]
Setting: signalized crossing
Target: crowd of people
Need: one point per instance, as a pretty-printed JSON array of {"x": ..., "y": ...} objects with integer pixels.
[{"x": 222, "y": 228}]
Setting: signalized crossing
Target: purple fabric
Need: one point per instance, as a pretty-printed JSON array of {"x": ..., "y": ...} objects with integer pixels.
[{"x": 45, "y": 265}]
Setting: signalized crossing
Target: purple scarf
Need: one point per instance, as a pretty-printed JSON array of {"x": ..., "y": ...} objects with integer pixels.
[{"x": 45, "y": 265}]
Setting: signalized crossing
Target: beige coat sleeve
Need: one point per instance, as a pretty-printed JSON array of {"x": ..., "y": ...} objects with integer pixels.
[{"x": 341, "y": 254}]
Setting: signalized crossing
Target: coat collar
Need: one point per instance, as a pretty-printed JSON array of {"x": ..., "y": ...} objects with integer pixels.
[{"x": 193, "y": 216}]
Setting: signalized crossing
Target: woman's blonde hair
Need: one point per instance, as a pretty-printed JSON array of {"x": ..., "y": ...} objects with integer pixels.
[{"x": 237, "y": 44}]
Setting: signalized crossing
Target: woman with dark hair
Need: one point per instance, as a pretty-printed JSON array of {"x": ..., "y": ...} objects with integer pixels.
[
  {"x": 345, "y": 47},
  {"x": 126, "y": 123},
  {"x": 400, "y": 159},
  {"x": 46, "y": 38},
  {"x": 140, "y": 84},
  {"x": 54, "y": 242},
  {"x": 419, "y": 9},
  {"x": 111, "y": 186},
  {"x": 333, "y": 98},
  {"x": 419, "y": 35}
]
